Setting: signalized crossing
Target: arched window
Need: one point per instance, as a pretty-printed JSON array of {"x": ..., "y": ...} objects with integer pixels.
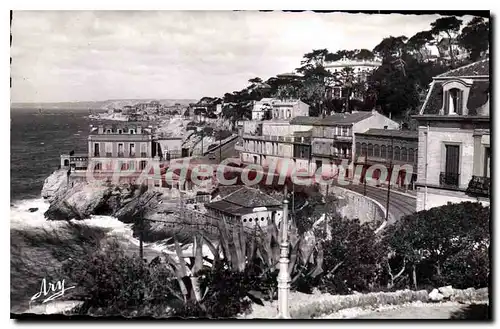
[
  {"x": 370, "y": 150},
  {"x": 404, "y": 155},
  {"x": 397, "y": 153},
  {"x": 262, "y": 219},
  {"x": 358, "y": 148},
  {"x": 389, "y": 152},
  {"x": 363, "y": 149},
  {"x": 244, "y": 220},
  {"x": 383, "y": 152},
  {"x": 250, "y": 220},
  {"x": 376, "y": 151},
  {"x": 411, "y": 155}
]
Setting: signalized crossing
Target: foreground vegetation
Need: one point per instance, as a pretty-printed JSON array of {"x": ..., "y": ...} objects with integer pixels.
[{"x": 442, "y": 246}]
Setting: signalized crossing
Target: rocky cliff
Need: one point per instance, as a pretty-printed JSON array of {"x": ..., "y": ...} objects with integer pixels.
[{"x": 80, "y": 200}]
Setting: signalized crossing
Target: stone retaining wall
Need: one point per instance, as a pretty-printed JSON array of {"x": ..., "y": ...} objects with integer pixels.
[{"x": 355, "y": 205}]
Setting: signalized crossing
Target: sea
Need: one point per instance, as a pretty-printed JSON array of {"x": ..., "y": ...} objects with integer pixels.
[{"x": 37, "y": 141}]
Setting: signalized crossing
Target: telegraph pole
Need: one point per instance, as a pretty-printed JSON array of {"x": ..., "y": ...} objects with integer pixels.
[
  {"x": 220, "y": 145},
  {"x": 389, "y": 185},
  {"x": 284, "y": 276}
]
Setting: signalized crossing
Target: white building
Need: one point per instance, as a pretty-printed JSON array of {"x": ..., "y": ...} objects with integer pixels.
[
  {"x": 454, "y": 152},
  {"x": 279, "y": 109}
]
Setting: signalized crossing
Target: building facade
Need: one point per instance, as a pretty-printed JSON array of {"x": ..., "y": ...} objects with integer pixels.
[
  {"x": 127, "y": 146},
  {"x": 454, "y": 151},
  {"x": 333, "y": 137},
  {"x": 279, "y": 109},
  {"x": 390, "y": 149}
]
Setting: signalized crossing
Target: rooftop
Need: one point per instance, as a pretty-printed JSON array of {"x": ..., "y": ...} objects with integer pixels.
[
  {"x": 239, "y": 200},
  {"x": 391, "y": 133},
  {"x": 478, "y": 95},
  {"x": 480, "y": 68},
  {"x": 304, "y": 120},
  {"x": 343, "y": 118}
]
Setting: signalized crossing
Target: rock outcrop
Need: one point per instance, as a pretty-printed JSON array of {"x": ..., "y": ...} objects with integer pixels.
[{"x": 54, "y": 184}]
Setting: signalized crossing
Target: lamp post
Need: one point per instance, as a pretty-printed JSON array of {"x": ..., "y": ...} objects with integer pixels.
[{"x": 284, "y": 276}]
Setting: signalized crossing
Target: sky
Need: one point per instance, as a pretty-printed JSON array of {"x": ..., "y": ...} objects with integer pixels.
[{"x": 100, "y": 55}]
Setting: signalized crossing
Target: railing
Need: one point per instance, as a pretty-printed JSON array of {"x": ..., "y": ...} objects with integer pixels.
[
  {"x": 121, "y": 154},
  {"x": 143, "y": 155},
  {"x": 289, "y": 139},
  {"x": 109, "y": 154},
  {"x": 332, "y": 155},
  {"x": 447, "y": 179},
  {"x": 479, "y": 186}
]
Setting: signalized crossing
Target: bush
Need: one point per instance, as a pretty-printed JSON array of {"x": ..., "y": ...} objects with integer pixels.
[
  {"x": 111, "y": 283},
  {"x": 353, "y": 256},
  {"x": 439, "y": 244}
]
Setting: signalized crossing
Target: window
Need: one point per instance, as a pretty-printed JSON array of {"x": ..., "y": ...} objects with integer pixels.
[
  {"x": 131, "y": 131},
  {"x": 363, "y": 149},
  {"x": 389, "y": 152},
  {"x": 358, "y": 149},
  {"x": 450, "y": 176},
  {"x": 345, "y": 131},
  {"x": 131, "y": 165},
  {"x": 119, "y": 131},
  {"x": 454, "y": 101},
  {"x": 109, "y": 149},
  {"x": 144, "y": 150},
  {"x": 487, "y": 160},
  {"x": 96, "y": 149},
  {"x": 370, "y": 150},
  {"x": 132, "y": 149},
  {"x": 98, "y": 166},
  {"x": 376, "y": 151},
  {"x": 397, "y": 153},
  {"x": 288, "y": 114},
  {"x": 123, "y": 166},
  {"x": 383, "y": 152},
  {"x": 404, "y": 156},
  {"x": 142, "y": 164},
  {"x": 411, "y": 155},
  {"x": 120, "y": 149},
  {"x": 108, "y": 131}
]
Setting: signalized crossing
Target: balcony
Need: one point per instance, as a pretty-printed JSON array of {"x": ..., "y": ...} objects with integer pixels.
[
  {"x": 109, "y": 154},
  {"x": 447, "y": 179},
  {"x": 143, "y": 154},
  {"x": 285, "y": 139},
  {"x": 332, "y": 155},
  {"x": 121, "y": 154},
  {"x": 479, "y": 186}
]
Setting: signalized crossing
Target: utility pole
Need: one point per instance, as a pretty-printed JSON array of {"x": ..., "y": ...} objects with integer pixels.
[
  {"x": 141, "y": 237},
  {"x": 284, "y": 276},
  {"x": 220, "y": 145},
  {"x": 364, "y": 185},
  {"x": 389, "y": 185},
  {"x": 202, "y": 135}
]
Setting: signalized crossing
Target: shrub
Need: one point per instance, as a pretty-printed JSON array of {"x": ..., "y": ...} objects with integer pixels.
[
  {"x": 111, "y": 283},
  {"x": 353, "y": 256},
  {"x": 438, "y": 244}
]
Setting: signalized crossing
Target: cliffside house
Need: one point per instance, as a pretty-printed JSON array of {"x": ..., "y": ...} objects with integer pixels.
[
  {"x": 386, "y": 147},
  {"x": 120, "y": 147},
  {"x": 454, "y": 151},
  {"x": 244, "y": 204}
]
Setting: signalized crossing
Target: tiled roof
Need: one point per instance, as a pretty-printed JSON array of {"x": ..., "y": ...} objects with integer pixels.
[
  {"x": 304, "y": 120},
  {"x": 344, "y": 118},
  {"x": 391, "y": 133},
  {"x": 242, "y": 199},
  {"x": 434, "y": 101},
  {"x": 473, "y": 69}
]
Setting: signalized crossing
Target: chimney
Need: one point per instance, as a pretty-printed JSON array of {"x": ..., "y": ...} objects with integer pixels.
[
  {"x": 385, "y": 127},
  {"x": 101, "y": 129}
]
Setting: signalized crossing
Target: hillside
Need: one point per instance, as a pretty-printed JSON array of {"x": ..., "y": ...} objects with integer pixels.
[{"x": 99, "y": 105}]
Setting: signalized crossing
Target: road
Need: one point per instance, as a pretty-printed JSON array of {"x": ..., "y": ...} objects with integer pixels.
[
  {"x": 227, "y": 151},
  {"x": 399, "y": 205}
]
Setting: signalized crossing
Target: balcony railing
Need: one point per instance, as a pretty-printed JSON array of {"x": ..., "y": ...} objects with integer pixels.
[
  {"x": 109, "y": 154},
  {"x": 447, "y": 179},
  {"x": 120, "y": 154},
  {"x": 288, "y": 139},
  {"x": 143, "y": 154},
  {"x": 479, "y": 186},
  {"x": 332, "y": 155}
]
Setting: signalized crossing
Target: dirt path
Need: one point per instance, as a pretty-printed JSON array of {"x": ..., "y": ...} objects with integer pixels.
[{"x": 417, "y": 310}]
